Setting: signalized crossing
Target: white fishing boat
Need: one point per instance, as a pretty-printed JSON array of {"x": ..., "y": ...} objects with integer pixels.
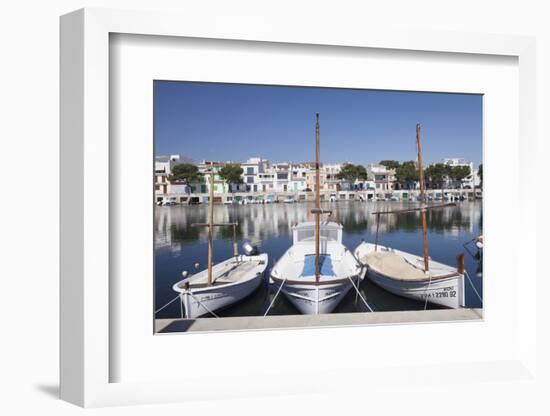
[
  {"x": 412, "y": 276},
  {"x": 225, "y": 283},
  {"x": 296, "y": 275},
  {"x": 317, "y": 271},
  {"x": 232, "y": 280},
  {"x": 403, "y": 274}
]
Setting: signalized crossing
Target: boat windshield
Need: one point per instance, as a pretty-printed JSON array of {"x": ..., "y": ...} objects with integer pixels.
[{"x": 309, "y": 234}]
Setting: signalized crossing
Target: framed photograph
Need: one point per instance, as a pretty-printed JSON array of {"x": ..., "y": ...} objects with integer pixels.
[
  {"x": 272, "y": 192},
  {"x": 312, "y": 227}
]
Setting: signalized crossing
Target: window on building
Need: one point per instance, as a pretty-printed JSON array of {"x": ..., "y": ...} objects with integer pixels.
[
  {"x": 250, "y": 179},
  {"x": 250, "y": 171}
]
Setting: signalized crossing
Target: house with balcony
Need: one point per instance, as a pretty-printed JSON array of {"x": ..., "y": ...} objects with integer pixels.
[
  {"x": 469, "y": 182},
  {"x": 381, "y": 177},
  {"x": 332, "y": 183},
  {"x": 163, "y": 168},
  {"x": 220, "y": 186},
  {"x": 298, "y": 175},
  {"x": 252, "y": 169}
]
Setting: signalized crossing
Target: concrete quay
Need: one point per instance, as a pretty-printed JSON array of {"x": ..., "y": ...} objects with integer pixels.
[{"x": 252, "y": 323}]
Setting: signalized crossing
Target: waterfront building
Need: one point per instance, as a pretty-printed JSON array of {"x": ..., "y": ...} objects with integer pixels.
[
  {"x": 311, "y": 177},
  {"x": 298, "y": 177},
  {"x": 331, "y": 171},
  {"x": 220, "y": 186},
  {"x": 163, "y": 168},
  {"x": 252, "y": 169},
  {"x": 381, "y": 177},
  {"x": 281, "y": 176},
  {"x": 470, "y": 182}
]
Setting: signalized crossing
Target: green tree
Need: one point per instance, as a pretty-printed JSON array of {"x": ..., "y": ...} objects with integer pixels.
[
  {"x": 435, "y": 175},
  {"x": 186, "y": 173},
  {"x": 406, "y": 174},
  {"x": 362, "y": 174},
  {"x": 350, "y": 173},
  {"x": 232, "y": 174},
  {"x": 480, "y": 174},
  {"x": 458, "y": 173},
  {"x": 390, "y": 164}
]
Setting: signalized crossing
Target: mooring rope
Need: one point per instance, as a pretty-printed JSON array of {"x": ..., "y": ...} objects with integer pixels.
[
  {"x": 426, "y": 293},
  {"x": 161, "y": 308},
  {"x": 473, "y": 287},
  {"x": 360, "y": 295},
  {"x": 275, "y": 297},
  {"x": 202, "y": 304}
]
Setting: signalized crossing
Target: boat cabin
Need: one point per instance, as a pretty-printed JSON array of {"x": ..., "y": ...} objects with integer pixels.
[{"x": 305, "y": 232}]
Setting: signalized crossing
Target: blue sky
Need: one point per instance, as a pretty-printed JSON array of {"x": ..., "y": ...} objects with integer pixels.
[{"x": 234, "y": 122}]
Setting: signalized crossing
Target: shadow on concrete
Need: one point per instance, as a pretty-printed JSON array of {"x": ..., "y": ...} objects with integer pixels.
[{"x": 178, "y": 326}]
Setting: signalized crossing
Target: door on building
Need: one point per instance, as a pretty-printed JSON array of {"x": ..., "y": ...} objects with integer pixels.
[{"x": 284, "y": 188}]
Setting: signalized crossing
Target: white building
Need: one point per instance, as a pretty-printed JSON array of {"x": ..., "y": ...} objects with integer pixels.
[
  {"x": 163, "y": 168},
  {"x": 471, "y": 181},
  {"x": 252, "y": 169},
  {"x": 298, "y": 177},
  {"x": 205, "y": 167},
  {"x": 382, "y": 177}
]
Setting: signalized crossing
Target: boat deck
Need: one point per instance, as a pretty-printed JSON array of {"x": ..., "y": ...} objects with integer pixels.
[
  {"x": 397, "y": 267},
  {"x": 230, "y": 271}
]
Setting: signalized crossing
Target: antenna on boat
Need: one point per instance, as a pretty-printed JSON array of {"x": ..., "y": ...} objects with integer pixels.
[
  {"x": 422, "y": 199},
  {"x": 317, "y": 201}
]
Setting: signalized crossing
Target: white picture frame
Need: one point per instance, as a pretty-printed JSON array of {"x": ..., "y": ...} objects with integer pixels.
[{"x": 86, "y": 355}]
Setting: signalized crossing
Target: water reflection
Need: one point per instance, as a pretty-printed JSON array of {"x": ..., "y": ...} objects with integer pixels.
[{"x": 179, "y": 246}]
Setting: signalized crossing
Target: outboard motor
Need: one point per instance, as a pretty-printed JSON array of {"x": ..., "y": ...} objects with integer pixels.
[{"x": 249, "y": 249}]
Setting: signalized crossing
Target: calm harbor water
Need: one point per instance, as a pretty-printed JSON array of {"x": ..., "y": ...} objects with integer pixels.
[{"x": 178, "y": 246}]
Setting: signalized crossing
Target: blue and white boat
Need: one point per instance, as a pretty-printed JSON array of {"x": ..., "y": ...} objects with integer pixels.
[
  {"x": 295, "y": 272},
  {"x": 317, "y": 271}
]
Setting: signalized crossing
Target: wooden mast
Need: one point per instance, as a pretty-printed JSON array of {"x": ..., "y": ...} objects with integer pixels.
[
  {"x": 317, "y": 203},
  {"x": 210, "y": 225},
  {"x": 422, "y": 199}
]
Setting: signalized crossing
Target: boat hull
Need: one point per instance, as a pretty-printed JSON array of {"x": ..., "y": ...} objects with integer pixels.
[
  {"x": 443, "y": 292},
  {"x": 202, "y": 302},
  {"x": 315, "y": 299}
]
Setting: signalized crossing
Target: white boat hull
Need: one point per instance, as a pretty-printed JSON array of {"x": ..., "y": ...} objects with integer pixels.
[
  {"x": 203, "y": 301},
  {"x": 316, "y": 300},
  {"x": 200, "y": 303},
  {"x": 443, "y": 291}
]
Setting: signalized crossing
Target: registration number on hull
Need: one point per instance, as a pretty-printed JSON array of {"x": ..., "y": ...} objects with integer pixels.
[{"x": 446, "y": 292}]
